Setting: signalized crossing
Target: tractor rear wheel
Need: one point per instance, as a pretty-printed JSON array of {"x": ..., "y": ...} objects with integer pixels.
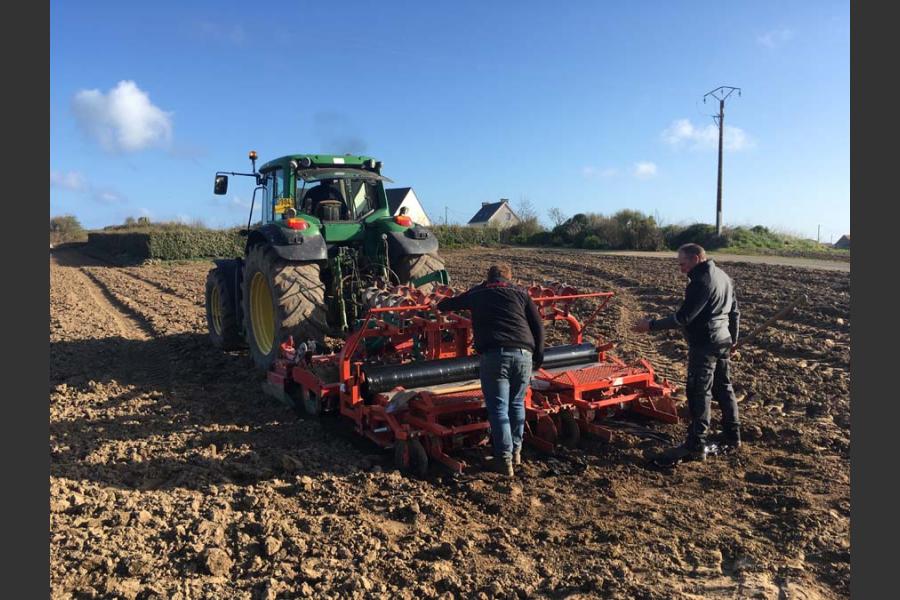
[
  {"x": 280, "y": 299},
  {"x": 221, "y": 311},
  {"x": 413, "y": 266}
]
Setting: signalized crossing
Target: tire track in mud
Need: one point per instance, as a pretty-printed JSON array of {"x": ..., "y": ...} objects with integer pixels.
[
  {"x": 127, "y": 325},
  {"x": 108, "y": 346},
  {"x": 159, "y": 318},
  {"x": 163, "y": 287},
  {"x": 126, "y": 318},
  {"x": 162, "y": 312},
  {"x": 130, "y": 270}
]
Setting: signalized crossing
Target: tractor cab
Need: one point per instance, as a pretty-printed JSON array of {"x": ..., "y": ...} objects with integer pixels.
[{"x": 337, "y": 194}]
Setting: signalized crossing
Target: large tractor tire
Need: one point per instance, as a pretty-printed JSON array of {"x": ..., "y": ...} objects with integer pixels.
[
  {"x": 280, "y": 299},
  {"x": 221, "y": 311},
  {"x": 413, "y": 266}
]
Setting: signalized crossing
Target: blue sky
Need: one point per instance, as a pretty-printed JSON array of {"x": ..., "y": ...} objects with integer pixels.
[{"x": 582, "y": 106}]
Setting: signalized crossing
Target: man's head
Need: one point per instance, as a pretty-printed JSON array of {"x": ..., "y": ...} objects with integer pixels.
[
  {"x": 689, "y": 256},
  {"x": 499, "y": 271}
]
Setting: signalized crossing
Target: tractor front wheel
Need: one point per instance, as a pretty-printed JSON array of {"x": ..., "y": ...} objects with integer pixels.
[
  {"x": 221, "y": 311},
  {"x": 280, "y": 299}
]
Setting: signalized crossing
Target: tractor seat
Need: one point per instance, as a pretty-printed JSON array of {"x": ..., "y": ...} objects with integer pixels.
[{"x": 330, "y": 210}]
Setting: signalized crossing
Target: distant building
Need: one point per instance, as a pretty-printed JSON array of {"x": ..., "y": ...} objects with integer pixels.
[
  {"x": 844, "y": 242},
  {"x": 495, "y": 214},
  {"x": 406, "y": 198}
]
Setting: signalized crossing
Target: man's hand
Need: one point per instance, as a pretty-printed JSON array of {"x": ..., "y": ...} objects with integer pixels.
[{"x": 641, "y": 326}]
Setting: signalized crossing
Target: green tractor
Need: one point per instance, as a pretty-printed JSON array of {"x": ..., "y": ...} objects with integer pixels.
[{"x": 325, "y": 235}]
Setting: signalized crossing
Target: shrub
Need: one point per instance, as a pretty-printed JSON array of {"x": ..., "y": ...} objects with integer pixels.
[
  {"x": 460, "y": 236},
  {"x": 66, "y": 228},
  {"x": 591, "y": 242},
  {"x": 698, "y": 233},
  {"x": 625, "y": 230}
]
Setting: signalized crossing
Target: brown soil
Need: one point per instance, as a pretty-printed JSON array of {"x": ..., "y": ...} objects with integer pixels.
[{"x": 174, "y": 476}]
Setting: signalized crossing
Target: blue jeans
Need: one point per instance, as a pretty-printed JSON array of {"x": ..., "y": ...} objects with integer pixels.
[{"x": 505, "y": 374}]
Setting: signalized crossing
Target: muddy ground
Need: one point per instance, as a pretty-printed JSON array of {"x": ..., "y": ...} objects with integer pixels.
[{"x": 174, "y": 476}]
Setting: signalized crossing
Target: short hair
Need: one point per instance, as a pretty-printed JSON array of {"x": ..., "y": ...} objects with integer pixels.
[
  {"x": 693, "y": 250},
  {"x": 499, "y": 270}
]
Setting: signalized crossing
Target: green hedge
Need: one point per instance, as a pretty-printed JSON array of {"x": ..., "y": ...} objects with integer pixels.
[
  {"x": 135, "y": 245},
  {"x": 196, "y": 243},
  {"x": 169, "y": 244},
  {"x": 460, "y": 236}
]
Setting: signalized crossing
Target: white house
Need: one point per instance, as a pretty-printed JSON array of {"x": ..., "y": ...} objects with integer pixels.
[
  {"x": 495, "y": 214},
  {"x": 406, "y": 198}
]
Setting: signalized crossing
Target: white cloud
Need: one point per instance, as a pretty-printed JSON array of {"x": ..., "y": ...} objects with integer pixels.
[
  {"x": 237, "y": 202},
  {"x": 233, "y": 203},
  {"x": 123, "y": 119},
  {"x": 76, "y": 182},
  {"x": 684, "y": 133},
  {"x": 775, "y": 38},
  {"x": 591, "y": 172},
  {"x": 107, "y": 196},
  {"x": 644, "y": 170},
  {"x": 73, "y": 180}
]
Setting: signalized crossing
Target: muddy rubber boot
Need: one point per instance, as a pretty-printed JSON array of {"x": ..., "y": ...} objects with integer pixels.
[
  {"x": 517, "y": 457},
  {"x": 503, "y": 467},
  {"x": 731, "y": 441},
  {"x": 681, "y": 453}
]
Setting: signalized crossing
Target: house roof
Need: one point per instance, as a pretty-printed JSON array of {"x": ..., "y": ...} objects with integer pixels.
[
  {"x": 487, "y": 211},
  {"x": 395, "y": 197}
]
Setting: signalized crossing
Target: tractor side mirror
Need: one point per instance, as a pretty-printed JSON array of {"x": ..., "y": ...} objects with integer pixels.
[{"x": 221, "y": 185}]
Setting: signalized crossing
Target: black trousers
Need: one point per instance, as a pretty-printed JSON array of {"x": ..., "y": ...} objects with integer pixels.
[{"x": 709, "y": 376}]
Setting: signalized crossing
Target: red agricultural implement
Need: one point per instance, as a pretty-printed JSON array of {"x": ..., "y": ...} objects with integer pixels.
[{"x": 406, "y": 377}]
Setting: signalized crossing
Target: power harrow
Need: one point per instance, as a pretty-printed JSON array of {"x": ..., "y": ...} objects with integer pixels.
[{"x": 406, "y": 377}]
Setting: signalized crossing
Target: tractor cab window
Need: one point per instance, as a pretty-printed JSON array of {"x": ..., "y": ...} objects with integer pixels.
[
  {"x": 337, "y": 195},
  {"x": 363, "y": 198},
  {"x": 273, "y": 205}
]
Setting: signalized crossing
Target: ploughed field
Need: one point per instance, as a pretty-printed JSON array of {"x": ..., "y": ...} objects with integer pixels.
[{"x": 174, "y": 476}]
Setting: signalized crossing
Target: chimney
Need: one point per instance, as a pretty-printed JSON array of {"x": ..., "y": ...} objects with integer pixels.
[
  {"x": 483, "y": 204},
  {"x": 504, "y": 200}
]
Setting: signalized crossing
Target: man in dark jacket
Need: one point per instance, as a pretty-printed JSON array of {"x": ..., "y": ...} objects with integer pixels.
[
  {"x": 710, "y": 318},
  {"x": 509, "y": 337}
]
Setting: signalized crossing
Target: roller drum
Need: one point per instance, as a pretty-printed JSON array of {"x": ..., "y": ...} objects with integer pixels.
[{"x": 381, "y": 378}]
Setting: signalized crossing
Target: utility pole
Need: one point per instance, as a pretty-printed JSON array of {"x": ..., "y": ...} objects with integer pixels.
[
  {"x": 721, "y": 94},
  {"x": 819, "y": 234},
  {"x": 445, "y": 215}
]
